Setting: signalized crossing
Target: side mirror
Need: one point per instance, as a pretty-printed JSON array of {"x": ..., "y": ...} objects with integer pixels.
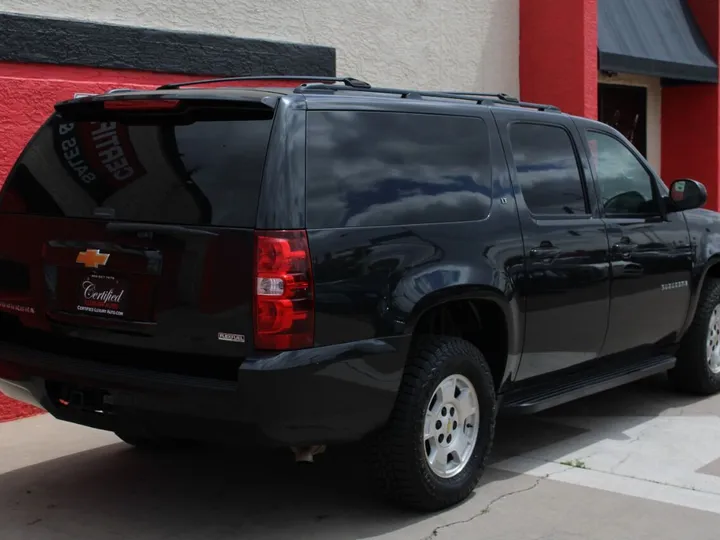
[{"x": 686, "y": 194}]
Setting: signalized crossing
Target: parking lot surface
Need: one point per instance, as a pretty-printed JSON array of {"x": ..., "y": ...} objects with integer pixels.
[{"x": 633, "y": 463}]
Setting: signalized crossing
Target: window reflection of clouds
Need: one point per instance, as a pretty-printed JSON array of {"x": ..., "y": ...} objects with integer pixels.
[
  {"x": 618, "y": 170},
  {"x": 615, "y": 160},
  {"x": 368, "y": 168},
  {"x": 547, "y": 169}
]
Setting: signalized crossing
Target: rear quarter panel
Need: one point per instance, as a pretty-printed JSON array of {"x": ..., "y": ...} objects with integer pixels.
[{"x": 377, "y": 282}]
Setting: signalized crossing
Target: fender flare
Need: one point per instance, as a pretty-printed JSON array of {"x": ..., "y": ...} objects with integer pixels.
[
  {"x": 514, "y": 319},
  {"x": 712, "y": 262}
]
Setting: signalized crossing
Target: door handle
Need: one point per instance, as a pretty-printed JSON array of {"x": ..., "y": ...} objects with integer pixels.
[
  {"x": 624, "y": 248},
  {"x": 544, "y": 250}
]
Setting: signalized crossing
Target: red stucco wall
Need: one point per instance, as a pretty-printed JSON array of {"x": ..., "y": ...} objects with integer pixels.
[
  {"x": 558, "y": 54},
  {"x": 691, "y": 118}
]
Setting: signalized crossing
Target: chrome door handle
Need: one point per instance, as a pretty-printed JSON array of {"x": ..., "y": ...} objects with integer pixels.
[
  {"x": 544, "y": 250},
  {"x": 624, "y": 247}
]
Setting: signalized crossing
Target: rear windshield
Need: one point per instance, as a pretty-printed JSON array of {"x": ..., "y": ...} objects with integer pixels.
[{"x": 203, "y": 173}]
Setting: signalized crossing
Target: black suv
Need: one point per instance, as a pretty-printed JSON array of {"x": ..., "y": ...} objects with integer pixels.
[{"x": 333, "y": 262}]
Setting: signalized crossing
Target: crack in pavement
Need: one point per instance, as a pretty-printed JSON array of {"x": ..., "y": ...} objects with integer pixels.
[{"x": 485, "y": 510}]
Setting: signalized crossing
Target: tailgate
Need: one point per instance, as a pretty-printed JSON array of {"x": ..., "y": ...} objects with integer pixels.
[{"x": 134, "y": 228}]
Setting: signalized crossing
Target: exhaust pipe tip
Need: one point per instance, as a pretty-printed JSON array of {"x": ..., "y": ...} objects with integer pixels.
[{"x": 306, "y": 454}]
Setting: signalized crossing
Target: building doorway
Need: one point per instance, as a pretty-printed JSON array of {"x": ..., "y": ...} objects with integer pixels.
[{"x": 625, "y": 108}]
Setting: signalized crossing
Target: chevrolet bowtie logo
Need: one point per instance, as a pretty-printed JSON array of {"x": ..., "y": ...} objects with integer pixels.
[{"x": 92, "y": 258}]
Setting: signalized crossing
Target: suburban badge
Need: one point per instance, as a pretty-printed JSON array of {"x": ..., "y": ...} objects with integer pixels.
[{"x": 225, "y": 336}]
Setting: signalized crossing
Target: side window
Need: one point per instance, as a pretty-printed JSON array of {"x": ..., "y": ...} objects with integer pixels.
[
  {"x": 625, "y": 186},
  {"x": 374, "y": 168},
  {"x": 547, "y": 169}
]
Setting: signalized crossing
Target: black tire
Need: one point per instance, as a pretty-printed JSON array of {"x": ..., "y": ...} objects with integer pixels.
[
  {"x": 692, "y": 372},
  {"x": 398, "y": 451}
]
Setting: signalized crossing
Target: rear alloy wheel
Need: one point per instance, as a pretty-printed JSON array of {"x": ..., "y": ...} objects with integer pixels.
[
  {"x": 433, "y": 450},
  {"x": 698, "y": 359},
  {"x": 451, "y": 426},
  {"x": 713, "y": 342}
]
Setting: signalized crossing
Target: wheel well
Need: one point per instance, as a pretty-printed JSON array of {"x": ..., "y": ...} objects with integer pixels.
[
  {"x": 714, "y": 271},
  {"x": 481, "y": 322}
]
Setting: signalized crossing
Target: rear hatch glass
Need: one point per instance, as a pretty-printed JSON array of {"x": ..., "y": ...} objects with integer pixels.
[
  {"x": 135, "y": 229},
  {"x": 203, "y": 173}
]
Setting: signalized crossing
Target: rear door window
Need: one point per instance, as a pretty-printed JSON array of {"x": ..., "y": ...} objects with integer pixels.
[
  {"x": 373, "y": 168},
  {"x": 547, "y": 169},
  {"x": 202, "y": 173}
]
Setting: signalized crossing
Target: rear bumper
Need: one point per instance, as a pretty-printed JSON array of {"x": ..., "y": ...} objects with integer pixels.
[{"x": 337, "y": 393}]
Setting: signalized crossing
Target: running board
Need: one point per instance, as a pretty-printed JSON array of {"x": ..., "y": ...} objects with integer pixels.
[{"x": 530, "y": 400}]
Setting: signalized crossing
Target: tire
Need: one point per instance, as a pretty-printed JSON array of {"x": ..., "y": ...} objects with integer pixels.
[
  {"x": 399, "y": 452},
  {"x": 693, "y": 372}
]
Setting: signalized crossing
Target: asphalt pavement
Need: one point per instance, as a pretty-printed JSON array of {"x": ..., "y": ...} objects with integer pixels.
[{"x": 635, "y": 463}]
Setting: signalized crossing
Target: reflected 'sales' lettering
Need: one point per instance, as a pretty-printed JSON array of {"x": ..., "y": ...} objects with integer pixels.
[
  {"x": 98, "y": 155},
  {"x": 71, "y": 153}
]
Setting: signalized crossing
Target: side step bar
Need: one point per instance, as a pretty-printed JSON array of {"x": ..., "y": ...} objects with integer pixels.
[{"x": 533, "y": 399}]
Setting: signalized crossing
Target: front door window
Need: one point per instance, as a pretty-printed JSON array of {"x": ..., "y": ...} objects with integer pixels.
[{"x": 624, "y": 184}]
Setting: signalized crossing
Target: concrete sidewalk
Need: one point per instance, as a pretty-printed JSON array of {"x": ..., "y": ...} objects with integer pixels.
[{"x": 634, "y": 463}]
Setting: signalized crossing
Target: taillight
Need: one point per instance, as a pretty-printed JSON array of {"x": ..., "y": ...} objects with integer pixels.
[
  {"x": 146, "y": 104},
  {"x": 284, "y": 297}
]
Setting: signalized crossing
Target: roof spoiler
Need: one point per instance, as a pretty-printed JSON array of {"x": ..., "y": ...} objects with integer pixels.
[{"x": 165, "y": 102}]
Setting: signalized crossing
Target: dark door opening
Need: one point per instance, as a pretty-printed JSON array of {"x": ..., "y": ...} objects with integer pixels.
[{"x": 625, "y": 109}]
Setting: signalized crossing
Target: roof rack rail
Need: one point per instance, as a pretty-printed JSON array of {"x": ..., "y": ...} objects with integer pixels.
[
  {"x": 514, "y": 101},
  {"x": 117, "y": 90},
  {"x": 501, "y": 96},
  {"x": 350, "y": 82},
  {"x": 480, "y": 99}
]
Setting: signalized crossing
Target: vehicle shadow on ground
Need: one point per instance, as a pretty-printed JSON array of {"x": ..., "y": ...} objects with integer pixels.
[{"x": 115, "y": 491}]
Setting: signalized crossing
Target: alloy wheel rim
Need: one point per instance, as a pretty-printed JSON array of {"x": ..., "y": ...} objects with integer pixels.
[
  {"x": 451, "y": 426},
  {"x": 713, "y": 341}
]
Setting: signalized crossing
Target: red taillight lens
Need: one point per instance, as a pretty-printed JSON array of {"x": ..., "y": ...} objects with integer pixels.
[
  {"x": 284, "y": 295},
  {"x": 146, "y": 104}
]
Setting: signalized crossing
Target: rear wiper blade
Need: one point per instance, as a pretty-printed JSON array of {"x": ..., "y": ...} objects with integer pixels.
[{"x": 156, "y": 228}]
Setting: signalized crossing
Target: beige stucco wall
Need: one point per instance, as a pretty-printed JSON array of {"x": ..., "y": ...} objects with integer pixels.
[
  {"x": 654, "y": 109},
  {"x": 449, "y": 44}
]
